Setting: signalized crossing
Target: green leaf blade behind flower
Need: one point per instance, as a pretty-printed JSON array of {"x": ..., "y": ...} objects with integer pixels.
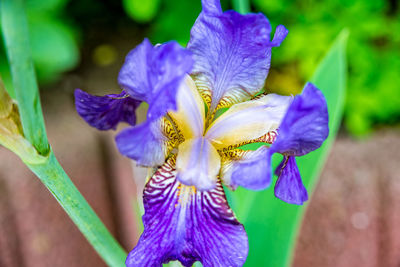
[{"x": 272, "y": 225}]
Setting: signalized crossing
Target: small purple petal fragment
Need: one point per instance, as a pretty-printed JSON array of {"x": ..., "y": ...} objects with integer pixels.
[
  {"x": 105, "y": 112},
  {"x": 154, "y": 74},
  {"x": 232, "y": 52},
  {"x": 289, "y": 186},
  {"x": 280, "y": 34},
  {"x": 253, "y": 172},
  {"x": 305, "y": 125},
  {"x": 279, "y": 168},
  {"x": 211, "y": 7},
  {"x": 143, "y": 143},
  {"x": 181, "y": 223}
]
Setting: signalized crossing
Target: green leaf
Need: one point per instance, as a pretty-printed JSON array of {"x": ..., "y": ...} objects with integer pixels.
[
  {"x": 43, "y": 164},
  {"x": 15, "y": 33},
  {"x": 271, "y": 224}
]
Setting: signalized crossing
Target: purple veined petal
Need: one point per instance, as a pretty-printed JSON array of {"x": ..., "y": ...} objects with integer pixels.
[
  {"x": 105, "y": 112},
  {"x": 249, "y": 120},
  {"x": 305, "y": 125},
  {"x": 289, "y": 186},
  {"x": 144, "y": 143},
  {"x": 198, "y": 163},
  {"x": 252, "y": 171},
  {"x": 211, "y": 7},
  {"x": 232, "y": 54},
  {"x": 181, "y": 223},
  {"x": 154, "y": 74},
  {"x": 280, "y": 34}
]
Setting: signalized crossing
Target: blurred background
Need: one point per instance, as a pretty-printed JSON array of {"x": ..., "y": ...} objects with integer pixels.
[{"x": 353, "y": 217}]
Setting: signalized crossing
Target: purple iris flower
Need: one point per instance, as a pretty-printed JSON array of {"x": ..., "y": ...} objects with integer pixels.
[{"x": 195, "y": 146}]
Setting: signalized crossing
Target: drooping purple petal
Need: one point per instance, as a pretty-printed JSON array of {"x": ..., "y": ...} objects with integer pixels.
[
  {"x": 154, "y": 73},
  {"x": 232, "y": 53},
  {"x": 305, "y": 125},
  {"x": 181, "y": 223},
  {"x": 252, "y": 171},
  {"x": 105, "y": 112},
  {"x": 289, "y": 186},
  {"x": 144, "y": 143}
]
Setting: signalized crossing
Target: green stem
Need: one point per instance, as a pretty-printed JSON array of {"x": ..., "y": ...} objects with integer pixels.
[
  {"x": 56, "y": 180},
  {"x": 15, "y": 33},
  {"x": 241, "y": 6}
]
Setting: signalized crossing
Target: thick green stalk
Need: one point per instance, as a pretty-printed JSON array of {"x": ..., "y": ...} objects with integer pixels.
[
  {"x": 15, "y": 33},
  {"x": 241, "y": 6},
  {"x": 56, "y": 180}
]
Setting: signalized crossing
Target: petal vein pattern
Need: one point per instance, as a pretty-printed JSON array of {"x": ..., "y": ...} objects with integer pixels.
[
  {"x": 105, "y": 112},
  {"x": 182, "y": 223},
  {"x": 232, "y": 54}
]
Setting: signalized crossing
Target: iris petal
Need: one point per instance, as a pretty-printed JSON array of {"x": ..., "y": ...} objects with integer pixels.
[
  {"x": 251, "y": 171},
  {"x": 198, "y": 163},
  {"x": 189, "y": 118},
  {"x": 280, "y": 35},
  {"x": 305, "y": 125},
  {"x": 249, "y": 120},
  {"x": 183, "y": 224},
  {"x": 105, "y": 112},
  {"x": 232, "y": 54},
  {"x": 289, "y": 186},
  {"x": 154, "y": 74},
  {"x": 144, "y": 143}
]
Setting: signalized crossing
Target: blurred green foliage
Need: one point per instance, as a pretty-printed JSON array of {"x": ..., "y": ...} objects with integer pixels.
[
  {"x": 141, "y": 11},
  {"x": 53, "y": 41},
  {"x": 373, "y": 52},
  {"x": 373, "y": 96}
]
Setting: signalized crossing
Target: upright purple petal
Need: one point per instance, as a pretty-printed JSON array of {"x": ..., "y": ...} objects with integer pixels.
[
  {"x": 305, "y": 125},
  {"x": 154, "y": 73},
  {"x": 232, "y": 54},
  {"x": 280, "y": 35},
  {"x": 144, "y": 143},
  {"x": 105, "y": 112},
  {"x": 181, "y": 223},
  {"x": 211, "y": 6},
  {"x": 289, "y": 186}
]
